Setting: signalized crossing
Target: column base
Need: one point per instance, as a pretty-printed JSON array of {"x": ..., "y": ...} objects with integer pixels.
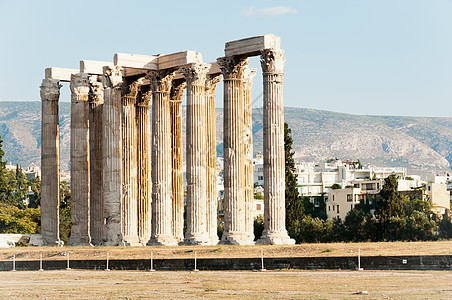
[
  {"x": 214, "y": 240},
  {"x": 132, "y": 241},
  {"x": 162, "y": 240},
  {"x": 199, "y": 239},
  {"x": 229, "y": 238},
  {"x": 275, "y": 238},
  {"x": 77, "y": 241}
]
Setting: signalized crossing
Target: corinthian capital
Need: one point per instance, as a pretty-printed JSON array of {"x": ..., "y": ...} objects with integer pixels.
[
  {"x": 114, "y": 76},
  {"x": 248, "y": 75},
  {"x": 79, "y": 87},
  {"x": 131, "y": 92},
  {"x": 161, "y": 80},
  {"x": 145, "y": 99},
  {"x": 50, "y": 89},
  {"x": 177, "y": 92},
  {"x": 232, "y": 66},
  {"x": 195, "y": 74},
  {"x": 272, "y": 61},
  {"x": 211, "y": 83},
  {"x": 96, "y": 92}
]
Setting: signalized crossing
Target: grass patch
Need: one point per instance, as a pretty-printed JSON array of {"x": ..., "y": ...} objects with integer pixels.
[{"x": 327, "y": 250}]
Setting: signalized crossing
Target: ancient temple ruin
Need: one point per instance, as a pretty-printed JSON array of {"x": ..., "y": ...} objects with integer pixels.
[{"x": 126, "y": 161}]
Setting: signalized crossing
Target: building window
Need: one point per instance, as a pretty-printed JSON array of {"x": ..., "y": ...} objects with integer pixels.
[
  {"x": 338, "y": 209},
  {"x": 258, "y": 207},
  {"x": 369, "y": 186},
  {"x": 333, "y": 197},
  {"x": 260, "y": 177},
  {"x": 429, "y": 188},
  {"x": 333, "y": 207},
  {"x": 349, "y": 197},
  {"x": 329, "y": 208},
  {"x": 356, "y": 185},
  {"x": 378, "y": 185}
]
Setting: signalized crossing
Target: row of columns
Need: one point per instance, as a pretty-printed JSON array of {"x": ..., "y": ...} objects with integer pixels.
[{"x": 121, "y": 171}]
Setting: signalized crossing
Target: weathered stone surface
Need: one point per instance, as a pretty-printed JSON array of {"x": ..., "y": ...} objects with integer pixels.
[
  {"x": 252, "y": 46},
  {"x": 248, "y": 75},
  {"x": 272, "y": 62},
  {"x": 177, "y": 222},
  {"x": 211, "y": 181},
  {"x": 144, "y": 167},
  {"x": 93, "y": 67},
  {"x": 61, "y": 74},
  {"x": 129, "y": 201},
  {"x": 161, "y": 159},
  {"x": 176, "y": 60},
  {"x": 196, "y": 175},
  {"x": 50, "y": 161},
  {"x": 112, "y": 156},
  {"x": 234, "y": 150},
  {"x": 96, "y": 102},
  {"x": 80, "y": 160}
]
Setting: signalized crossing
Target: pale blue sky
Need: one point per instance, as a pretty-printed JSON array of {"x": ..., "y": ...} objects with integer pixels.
[{"x": 389, "y": 57}]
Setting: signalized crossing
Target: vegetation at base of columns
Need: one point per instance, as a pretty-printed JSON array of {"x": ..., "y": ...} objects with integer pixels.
[
  {"x": 258, "y": 227},
  {"x": 65, "y": 212},
  {"x": 19, "y": 220},
  {"x": 294, "y": 203}
]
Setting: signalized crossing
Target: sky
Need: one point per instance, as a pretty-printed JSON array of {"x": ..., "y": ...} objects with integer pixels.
[{"x": 385, "y": 57}]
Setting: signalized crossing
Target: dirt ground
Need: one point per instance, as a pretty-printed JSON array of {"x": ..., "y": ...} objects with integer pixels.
[
  {"x": 223, "y": 251},
  {"x": 79, "y": 284}
]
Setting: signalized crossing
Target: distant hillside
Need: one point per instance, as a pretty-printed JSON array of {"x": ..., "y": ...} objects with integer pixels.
[{"x": 412, "y": 142}]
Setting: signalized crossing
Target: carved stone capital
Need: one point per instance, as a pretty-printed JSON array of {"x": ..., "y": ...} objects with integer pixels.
[
  {"x": 131, "y": 92},
  {"x": 247, "y": 79},
  {"x": 195, "y": 74},
  {"x": 114, "y": 76},
  {"x": 177, "y": 92},
  {"x": 161, "y": 81},
  {"x": 145, "y": 99},
  {"x": 80, "y": 87},
  {"x": 272, "y": 61},
  {"x": 211, "y": 83},
  {"x": 50, "y": 89},
  {"x": 232, "y": 66},
  {"x": 96, "y": 92}
]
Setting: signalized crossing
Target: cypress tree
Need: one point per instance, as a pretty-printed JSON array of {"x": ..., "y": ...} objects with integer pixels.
[{"x": 294, "y": 204}]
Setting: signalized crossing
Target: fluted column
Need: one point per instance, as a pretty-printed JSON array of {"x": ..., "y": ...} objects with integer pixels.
[
  {"x": 177, "y": 224},
  {"x": 80, "y": 160},
  {"x": 272, "y": 62},
  {"x": 196, "y": 175},
  {"x": 50, "y": 161},
  {"x": 161, "y": 159},
  {"x": 144, "y": 167},
  {"x": 211, "y": 148},
  {"x": 112, "y": 156},
  {"x": 96, "y": 103},
  {"x": 129, "y": 164},
  {"x": 234, "y": 152},
  {"x": 247, "y": 78}
]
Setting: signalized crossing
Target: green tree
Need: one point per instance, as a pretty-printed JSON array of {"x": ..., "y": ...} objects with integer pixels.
[
  {"x": 336, "y": 186},
  {"x": 5, "y": 189},
  {"x": 65, "y": 212},
  {"x": 294, "y": 205},
  {"x": 389, "y": 203}
]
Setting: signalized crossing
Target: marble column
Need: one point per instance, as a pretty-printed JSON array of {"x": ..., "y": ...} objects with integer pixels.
[
  {"x": 196, "y": 167},
  {"x": 211, "y": 148},
  {"x": 96, "y": 102},
  {"x": 112, "y": 156},
  {"x": 50, "y": 162},
  {"x": 272, "y": 62},
  {"x": 234, "y": 152},
  {"x": 144, "y": 167},
  {"x": 161, "y": 231},
  {"x": 177, "y": 224},
  {"x": 129, "y": 164},
  {"x": 247, "y": 83},
  {"x": 80, "y": 160}
]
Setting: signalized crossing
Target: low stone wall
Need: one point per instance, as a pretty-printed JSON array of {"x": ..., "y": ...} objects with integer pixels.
[{"x": 422, "y": 262}]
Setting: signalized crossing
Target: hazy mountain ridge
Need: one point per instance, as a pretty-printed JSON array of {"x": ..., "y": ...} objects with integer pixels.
[{"x": 413, "y": 142}]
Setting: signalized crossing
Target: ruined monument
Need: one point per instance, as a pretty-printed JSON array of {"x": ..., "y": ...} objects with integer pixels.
[{"x": 126, "y": 170}]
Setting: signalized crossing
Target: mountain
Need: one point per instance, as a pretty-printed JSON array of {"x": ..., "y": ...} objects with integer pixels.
[{"x": 418, "y": 143}]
